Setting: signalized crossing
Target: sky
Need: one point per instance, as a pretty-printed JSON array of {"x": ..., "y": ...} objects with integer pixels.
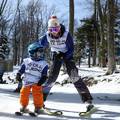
[{"x": 82, "y": 8}]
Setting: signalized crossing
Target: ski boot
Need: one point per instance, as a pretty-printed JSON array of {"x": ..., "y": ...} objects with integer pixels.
[
  {"x": 39, "y": 110},
  {"x": 90, "y": 110},
  {"x": 47, "y": 112},
  {"x": 24, "y": 110}
]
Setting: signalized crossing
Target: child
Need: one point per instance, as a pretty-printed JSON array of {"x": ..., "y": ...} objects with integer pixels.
[{"x": 34, "y": 70}]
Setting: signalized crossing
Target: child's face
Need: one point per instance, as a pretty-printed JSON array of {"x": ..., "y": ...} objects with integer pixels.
[{"x": 39, "y": 54}]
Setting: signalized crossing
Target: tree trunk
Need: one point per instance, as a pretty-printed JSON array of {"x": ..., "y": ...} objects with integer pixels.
[
  {"x": 95, "y": 34},
  {"x": 2, "y": 6},
  {"x": 71, "y": 16},
  {"x": 110, "y": 36},
  {"x": 102, "y": 37}
]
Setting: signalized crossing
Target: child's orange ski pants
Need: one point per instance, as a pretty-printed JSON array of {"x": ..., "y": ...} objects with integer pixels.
[{"x": 36, "y": 93}]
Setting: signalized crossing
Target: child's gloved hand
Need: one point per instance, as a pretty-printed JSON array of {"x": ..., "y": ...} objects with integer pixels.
[
  {"x": 18, "y": 77},
  {"x": 42, "y": 80}
]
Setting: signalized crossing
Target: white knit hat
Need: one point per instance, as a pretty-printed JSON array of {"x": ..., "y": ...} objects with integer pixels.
[{"x": 53, "y": 22}]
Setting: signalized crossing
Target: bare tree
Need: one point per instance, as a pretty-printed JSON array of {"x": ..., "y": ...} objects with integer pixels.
[
  {"x": 96, "y": 33},
  {"x": 102, "y": 48},
  {"x": 30, "y": 24},
  {"x": 71, "y": 16},
  {"x": 2, "y": 6},
  {"x": 110, "y": 36},
  {"x": 3, "y": 22}
]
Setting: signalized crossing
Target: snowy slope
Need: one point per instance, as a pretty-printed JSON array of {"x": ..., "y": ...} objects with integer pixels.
[{"x": 106, "y": 97}]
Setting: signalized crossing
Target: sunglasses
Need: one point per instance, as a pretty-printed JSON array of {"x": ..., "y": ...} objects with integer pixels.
[{"x": 54, "y": 29}]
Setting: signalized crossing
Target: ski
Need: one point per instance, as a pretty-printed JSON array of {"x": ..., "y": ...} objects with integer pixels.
[
  {"x": 45, "y": 111},
  {"x": 88, "y": 113},
  {"x": 18, "y": 113},
  {"x": 56, "y": 113},
  {"x": 49, "y": 112}
]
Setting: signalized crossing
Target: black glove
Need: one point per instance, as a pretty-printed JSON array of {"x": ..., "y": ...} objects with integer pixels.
[
  {"x": 18, "y": 77},
  {"x": 58, "y": 55},
  {"x": 42, "y": 80}
]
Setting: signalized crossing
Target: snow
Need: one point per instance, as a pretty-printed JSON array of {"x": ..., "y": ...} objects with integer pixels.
[{"x": 106, "y": 94}]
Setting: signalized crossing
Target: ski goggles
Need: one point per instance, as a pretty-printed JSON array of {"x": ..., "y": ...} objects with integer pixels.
[{"x": 54, "y": 29}]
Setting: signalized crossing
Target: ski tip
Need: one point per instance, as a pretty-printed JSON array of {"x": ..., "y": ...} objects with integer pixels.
[
  {"x": 55, "y": 113},
  {"x": 59, "y": 112},
  {"x": 18, "y": 113}
]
